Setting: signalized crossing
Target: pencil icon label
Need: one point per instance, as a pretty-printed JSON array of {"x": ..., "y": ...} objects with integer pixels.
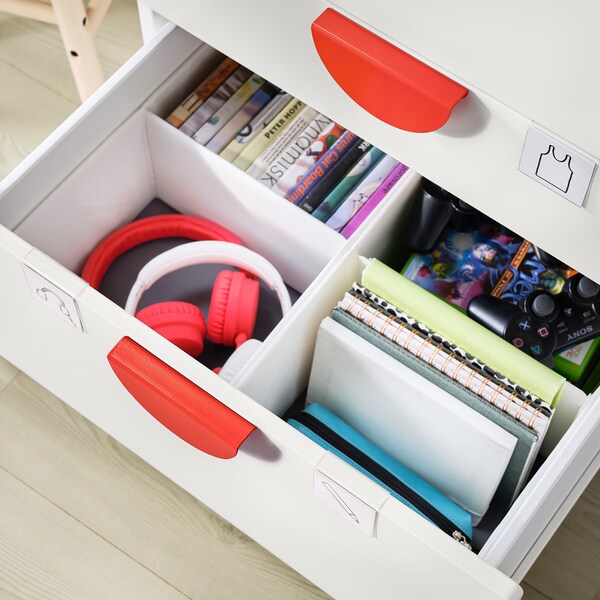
[{"x": 344, "y": 503}]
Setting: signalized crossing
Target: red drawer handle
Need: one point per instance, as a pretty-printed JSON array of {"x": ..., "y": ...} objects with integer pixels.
[
  {"x": 386, "y": 81},
  {"x": 180, "y": 405}
]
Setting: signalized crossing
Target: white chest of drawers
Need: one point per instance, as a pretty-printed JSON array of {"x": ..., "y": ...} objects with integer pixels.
[{"x": 99, "y": 169}]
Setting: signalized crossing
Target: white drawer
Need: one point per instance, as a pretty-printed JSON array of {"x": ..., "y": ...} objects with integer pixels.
[
  {"x": 477, "y": 153},
  {"x": 97, "y": 172}
]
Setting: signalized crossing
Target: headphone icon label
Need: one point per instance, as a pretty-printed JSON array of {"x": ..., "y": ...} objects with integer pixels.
[{"x": 53, "y": 298}]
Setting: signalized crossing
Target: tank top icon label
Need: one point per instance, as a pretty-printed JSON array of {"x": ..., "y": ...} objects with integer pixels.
[{"x": 557, "y": 173}]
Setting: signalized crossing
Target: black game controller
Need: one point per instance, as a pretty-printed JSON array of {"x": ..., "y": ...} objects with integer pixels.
[
  {"x": 433, "y": 210},
  {"x": 545, "y": 324}
]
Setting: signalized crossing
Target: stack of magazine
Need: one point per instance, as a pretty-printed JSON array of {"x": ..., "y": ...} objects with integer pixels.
[{"x": 291, "y": 148}]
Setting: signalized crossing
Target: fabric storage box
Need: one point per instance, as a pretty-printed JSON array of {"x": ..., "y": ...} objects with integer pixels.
[{"x": 65, "y": 181}]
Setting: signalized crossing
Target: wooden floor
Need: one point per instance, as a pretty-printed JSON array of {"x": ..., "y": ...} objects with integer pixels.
[{"x": 81, "y": 517}]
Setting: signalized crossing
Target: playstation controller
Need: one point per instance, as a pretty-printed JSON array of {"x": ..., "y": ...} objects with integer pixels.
[{"x": 544, "y": 324}]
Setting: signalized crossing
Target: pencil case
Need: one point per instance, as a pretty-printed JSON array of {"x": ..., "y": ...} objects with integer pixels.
[{"x": 331, "y": 433}]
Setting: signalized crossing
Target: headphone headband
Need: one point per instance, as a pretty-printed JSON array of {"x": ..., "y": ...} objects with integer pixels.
[
  {"x": 146, "y": 230},
  {"x": 204, "y": 252}
]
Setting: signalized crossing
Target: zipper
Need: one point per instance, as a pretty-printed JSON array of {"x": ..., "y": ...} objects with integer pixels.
[{"x": 387, "y": 478}]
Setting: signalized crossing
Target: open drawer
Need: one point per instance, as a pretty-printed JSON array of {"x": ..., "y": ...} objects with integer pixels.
[{"x": 97, "y": 172}]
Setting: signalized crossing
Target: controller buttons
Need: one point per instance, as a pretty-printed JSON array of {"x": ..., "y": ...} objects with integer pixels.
[
  {"x": 536, "y": 349},
  {"x": 543, "y": 306},
  {"x": 587, "y": 314},
  {"x": 568, "y": 311},
  {"x": 524, "y": 324},
  {"x": 543, "y": 332},
  {"x": 518, "y": 342}
]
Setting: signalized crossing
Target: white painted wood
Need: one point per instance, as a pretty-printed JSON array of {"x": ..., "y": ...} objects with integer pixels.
[
  {"x": 150, "y": 22},
  {"x": 475, "y": 156},
  {"x": 536, "y": 58}
]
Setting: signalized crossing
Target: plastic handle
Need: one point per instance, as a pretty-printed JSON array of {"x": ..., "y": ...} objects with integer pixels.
[
  {"x": 386, "y": 81},
  {"x": 180, "y": 405}
]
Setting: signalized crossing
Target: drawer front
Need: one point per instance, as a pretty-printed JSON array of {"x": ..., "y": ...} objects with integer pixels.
[
  {"x": 475, "y": 155},
  {"x": 63, "y": 337},
  {"x": 267, "y": 489}
]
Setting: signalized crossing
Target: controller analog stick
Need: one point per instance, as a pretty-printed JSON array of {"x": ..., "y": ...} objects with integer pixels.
[
  {"x": 543, "y": 306},
  {"x": 587, "y": 289}
]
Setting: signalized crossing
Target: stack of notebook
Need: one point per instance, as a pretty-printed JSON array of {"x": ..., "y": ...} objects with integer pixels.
[
  {"x": 433, "y": 390},
  {"x": 291, "y": 148}
]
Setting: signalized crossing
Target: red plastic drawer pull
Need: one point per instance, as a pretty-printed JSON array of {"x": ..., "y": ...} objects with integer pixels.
[
  {"x": 180, "y": 405},
  {"x": 386, "y": 81}
]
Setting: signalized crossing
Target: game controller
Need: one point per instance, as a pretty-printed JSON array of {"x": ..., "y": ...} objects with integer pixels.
[
  {"x": 545, "y": 324},
  {"x": 433, "y": 210}
]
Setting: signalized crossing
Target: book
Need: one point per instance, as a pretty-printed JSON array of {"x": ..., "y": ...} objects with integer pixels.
[
  {"x": 202, "y": 92},
  {"x": 386, "y": 430},
  {"x": 243, "y": 116},
  {"x": 321, "y": 167},
  {"x": 361, "y": 193},
  {"x": 258, "y": 123},
  {"x": 369, "y": 206},
  {"x": 347, "y": 159},
  {"x": 276, "y": 149},
  {"x": 270, "y": 169},
  {"x": 326, "y": 138},
  {"x": 348, "y": 183},
  {"x": 218, "y": 120},
  {"x": 274, "y": 128},
  {"x": 458, "y": 450},
  {"x": 208, "y": 108},
  {"x": 436, "y": 355}
]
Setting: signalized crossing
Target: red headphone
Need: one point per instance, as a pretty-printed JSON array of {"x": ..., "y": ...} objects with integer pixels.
[{"x": 234, "y": 298}]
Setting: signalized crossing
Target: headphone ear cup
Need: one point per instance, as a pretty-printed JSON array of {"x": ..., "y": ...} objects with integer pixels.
[
  {"x": 237, "y": 361},
  {"x": 180, "y": 322},
  {"x": 233, "y": 308}
]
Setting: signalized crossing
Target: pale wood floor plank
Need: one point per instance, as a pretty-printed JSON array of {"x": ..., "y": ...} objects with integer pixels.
[
  {"x": 7, "y": 373},
  {"x": 530, "y": 593},
  {"x": 47, "y": 555},
  {"x": 6, "y": 595},
  {"x": 569, "y": 566},
  {"x": 93, "y": 478}
]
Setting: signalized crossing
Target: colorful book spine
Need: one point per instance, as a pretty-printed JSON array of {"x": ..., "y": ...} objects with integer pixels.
[
  {"x": 320, "y": 168},
  {"x": 309, "y": 157},
  {"x": 189, "y": 106},
  {"x": 380, "y": 193},
  {"x": 268, "y": 135},
  {"x": 340, "y": 192},
  {"x": 215, "y": 101},
  {"x": 258, "y": 123},
  {"x": 242, "y": 117},
  {"x": 274, "y": 161},
  {"x": 363, "y": 191},
  {"x": 229, "y": 109},
  {"x": 345, "y": 162}
]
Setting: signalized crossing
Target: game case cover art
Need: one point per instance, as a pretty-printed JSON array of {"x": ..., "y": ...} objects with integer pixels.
[{"x": 491, "y": 260}]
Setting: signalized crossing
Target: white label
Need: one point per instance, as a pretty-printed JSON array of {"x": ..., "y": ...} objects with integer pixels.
[
  {"x": 344, "y": 503},
  {"x": 53, "y": 298},
  {"x": 556, "y": 166},
  {"x": 577, "y": 354}
]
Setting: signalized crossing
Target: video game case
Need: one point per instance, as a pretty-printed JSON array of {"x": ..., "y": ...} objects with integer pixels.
[
  {"x": 340, "y": 192},
  {"x": 208, "y": 85},
  {"x": 278, "y": 149},
  {"x": 344, "y": 163},
  {"x": 274, "y": 128},
  {"x": 242, "y": 117},
  {"x": 208, "y": 108},
  {"x": 258, "y": 123},
  {"x": 363, "y": 191},
  {"x": 308, "y": 158},
  {"x": 320, "y": 168},
  {"x": 380, "y": 193},
  {"x": 229, "y": 109}
]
